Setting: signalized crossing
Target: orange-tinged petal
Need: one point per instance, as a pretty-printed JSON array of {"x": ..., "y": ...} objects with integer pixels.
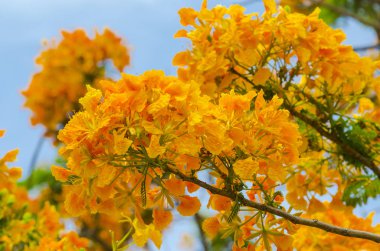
[
  {"x": 191, "y": 187},
  {"x": 155, "y": 148},
  {"x": 107, "y": 207},
  {"x": 315, "y": 206},
  {"x": 162, "y": 218},
  {"x": 9, "y": 156},
  {"x": 121, "y": 144},
  {"x": 283, "y": 242},
  {"x": 270, "y": 6},
  {"x": 75, "y": 203},
  {"x": 365, "y": 104},
  {"x": 261, "y": 76},
  {"x": 91, "y": 100},
  {"x": 60, "y": 173},
  {"x": 246, "y": 168},
  {"x": 15, "y": 173},
  {"x": 158, "y": 105},
  {"x": 175, "y": 186},
  {"x": 150, "y": 127},
  {"x": 211, "y": 226},
  {"x": 187, "y": 16},
  {"x": 220, "y": 203},
  {"x": 156, "y": 237},
  {"x": 188, "y": 205},
  {"x": 180, "y": 33},
  {"x": 181, "y": 58}
]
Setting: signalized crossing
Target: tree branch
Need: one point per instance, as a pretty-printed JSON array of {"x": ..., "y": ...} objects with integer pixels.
[
  {"x": 262, "y": 207},
  {"x": 364, "y": 48},
  {"x": 347, "y": 13},
  {"x": 198, "y": 221},
  {"x": 314, "y": 124},
  {"x": 345, "y": 147},
  {"x": 92, "y": 234}
]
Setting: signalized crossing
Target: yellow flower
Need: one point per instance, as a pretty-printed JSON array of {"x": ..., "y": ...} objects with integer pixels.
[
  {"x": 236, "y": 103},
  {"x": 365, "y": 104},
  {"x": 66, "y": 69},
  {"x": 155, "y": 148},
  {"x": 91, "y": 100},
  {"x": 261, "y": 76},
  {"x": 188, "y": 16},
  {"x": 121, "y": 143},
  {"x": 246, "y": 168},
  {"x": 270, "y": 6},
  {"x": 145, "y": 232}
]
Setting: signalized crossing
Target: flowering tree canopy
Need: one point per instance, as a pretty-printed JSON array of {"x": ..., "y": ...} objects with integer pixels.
[{"x": 270, "y": 116}]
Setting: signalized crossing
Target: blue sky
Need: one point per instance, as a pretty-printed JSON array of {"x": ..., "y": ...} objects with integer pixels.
[{"x": 148, "y": 27}]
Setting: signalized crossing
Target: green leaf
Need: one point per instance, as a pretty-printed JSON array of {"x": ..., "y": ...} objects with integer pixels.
[
  {"x": 38, "y": 177},
  {"x": 234, "y": 211},
  {"x": 358, "y": 191}
]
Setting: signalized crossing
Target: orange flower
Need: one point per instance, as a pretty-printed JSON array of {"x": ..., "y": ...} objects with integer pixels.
[
  {"x": 175, "y": 186},
  {"x": 188, "y": 205},
  {"x": 66, "y": 69},
  {"x": 162, "y": 218},
  {"x": 219, "y": 202},
  {"x": 211, "y": 226}
]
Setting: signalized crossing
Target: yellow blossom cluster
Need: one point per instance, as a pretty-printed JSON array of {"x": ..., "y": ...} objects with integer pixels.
[
  {"x": 274, "y": 49},
  {"x": 66, "y": 68},
  {"x": 333, "y": 212},
  {"x": 251, "y": 96},
  {"x": 24, "y": 223},
  {"x": 118, "y": 146}
]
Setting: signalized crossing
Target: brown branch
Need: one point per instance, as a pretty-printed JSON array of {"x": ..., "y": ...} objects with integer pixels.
[
  {"x": 375, "y": 1},
  {"x": 365, "y": 48},
  {"x": 93, "y": 235},
  {"x": 198, "y": 221},
  {"x": 347, "y": 13},
  {"x": 345, "y": 147},
  {"x": 334, "y": 138},
  {"x": 262, "y": 207}
]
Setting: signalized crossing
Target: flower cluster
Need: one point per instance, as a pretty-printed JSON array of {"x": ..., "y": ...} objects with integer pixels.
[
  {"x": 332, "y": 212},
  {"x": 66, "y": 68},
  {"x": 274, "y": 50},
  {"x": 25, "y": 223},
  {"x": 260, "y": 103},
  {"x": 122, "y": 146}
]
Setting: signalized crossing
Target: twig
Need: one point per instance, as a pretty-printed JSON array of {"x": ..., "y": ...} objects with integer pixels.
[
  {"x": 369, "y": 47},
  {"x": 345, "y": 147},
  {"x": 93, "y": 234},
  {"x": 262, "y": 207},
  {"x": 198, "y": 221},
  {"x": 36, "y": 153},
  {"x": 334, "y": 138},
  {"x": 34, "y": 159},
  {"x": 345, "y": 12}
]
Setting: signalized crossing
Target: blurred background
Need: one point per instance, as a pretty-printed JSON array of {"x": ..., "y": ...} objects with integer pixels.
[{"x": 147, "y": 27}]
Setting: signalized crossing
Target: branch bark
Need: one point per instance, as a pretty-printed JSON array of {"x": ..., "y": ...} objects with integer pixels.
[
  {"x": 345, "y": 147},
  {"x": 93, "y": 235},
  {"x": 365, "y": 48},
  {"x": 334, "y": 138},
  {"x": 198, "y": 221},
  {"x": 262, "y": 207},
  {"x": 347, "y": 13}
]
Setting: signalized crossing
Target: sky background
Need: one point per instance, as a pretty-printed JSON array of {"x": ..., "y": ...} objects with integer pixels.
[{"x": 147, "y": 26}]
